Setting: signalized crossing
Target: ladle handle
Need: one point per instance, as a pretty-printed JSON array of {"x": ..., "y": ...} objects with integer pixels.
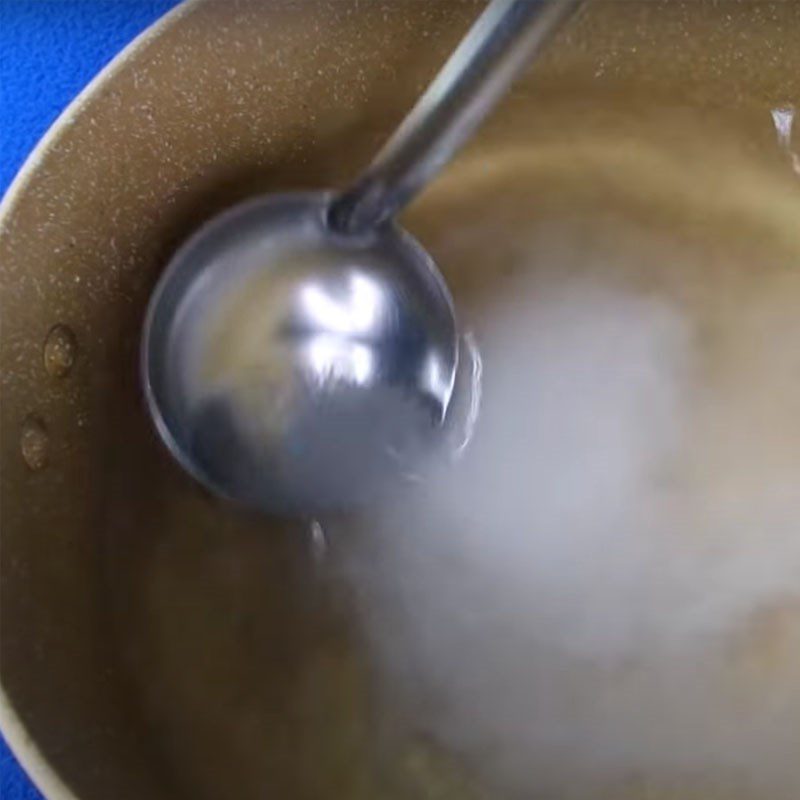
[{"x": 496, "y": 50}]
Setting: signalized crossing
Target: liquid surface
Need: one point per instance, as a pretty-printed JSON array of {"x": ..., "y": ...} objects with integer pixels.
[{"x": 600, "y": 595}]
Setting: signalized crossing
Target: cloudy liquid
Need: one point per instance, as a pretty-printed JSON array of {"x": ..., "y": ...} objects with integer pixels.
[{"x": 603, "y": 594}]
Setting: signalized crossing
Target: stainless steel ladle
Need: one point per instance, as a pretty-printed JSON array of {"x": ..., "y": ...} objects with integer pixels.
[{"x": 300, "y": 350}]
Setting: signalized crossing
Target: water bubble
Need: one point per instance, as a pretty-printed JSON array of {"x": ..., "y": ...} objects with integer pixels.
[
  {"x": 34, "y": 442},
  {"x": 60, "y": 349}
]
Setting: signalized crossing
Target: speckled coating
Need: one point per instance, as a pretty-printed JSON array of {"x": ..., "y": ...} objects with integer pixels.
[{"x": 141, "y": 620}]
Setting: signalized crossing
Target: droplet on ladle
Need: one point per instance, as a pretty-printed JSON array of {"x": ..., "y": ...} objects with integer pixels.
[{"x": 300, "y": 350}]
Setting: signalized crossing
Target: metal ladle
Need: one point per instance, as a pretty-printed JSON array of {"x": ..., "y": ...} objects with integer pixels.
[{"x": 300, "y": 350}]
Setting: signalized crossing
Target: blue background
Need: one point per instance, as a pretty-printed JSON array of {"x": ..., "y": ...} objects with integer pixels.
[{"x": 49, "y": 50}]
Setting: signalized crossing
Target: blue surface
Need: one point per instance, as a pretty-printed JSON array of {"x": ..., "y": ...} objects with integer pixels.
[{"x": 49, "y": 50}]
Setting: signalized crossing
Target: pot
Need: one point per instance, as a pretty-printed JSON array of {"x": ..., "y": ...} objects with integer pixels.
[{"x": 156, "y": 643}]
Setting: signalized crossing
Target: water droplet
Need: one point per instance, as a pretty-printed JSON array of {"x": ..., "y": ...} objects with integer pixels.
[
  {"x": 319, "y": 542},
  {"x": 468, "y": 392},
  {"x": 34, "y": 442},
  {"x": 783, "y": 119},
  {"x": 60, "y": 349}
]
